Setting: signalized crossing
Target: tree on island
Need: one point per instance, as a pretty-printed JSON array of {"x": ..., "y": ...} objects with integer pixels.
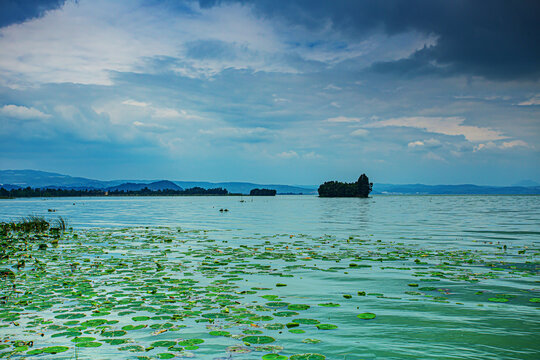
[
  {"x": 262, "y": 192},
  {"x": 361, "y": 188}
]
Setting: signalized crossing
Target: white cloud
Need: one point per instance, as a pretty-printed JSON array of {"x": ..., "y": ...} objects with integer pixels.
[
  {"x": 167, "y": 113},
  {"x": 503, "y": 146},
  {"x": 443, "y": 125},
  {"x": 150, "y": 126},
  {"x": 23, "y": 112},
  {"x": 428, "y": 143},
  {"x": 86, "y": 42},
  {"x": 535, "y": 100},
  {"x": 360, "y": 132},
  {"x": 135, "y": 103},
  {"x": 514, "y": 143},
  {"x": 332, "y": 87},
  {"x": 344, "y": 119},
  {"x": 288, "y": 154},
  {"x": 415, "y": 144},
  {"x": 311, "y": 155}
]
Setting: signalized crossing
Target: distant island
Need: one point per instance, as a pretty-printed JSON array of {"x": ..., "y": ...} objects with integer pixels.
[
  {"x": 262, "y": 192},
  {"x": 361, "y": 188}
]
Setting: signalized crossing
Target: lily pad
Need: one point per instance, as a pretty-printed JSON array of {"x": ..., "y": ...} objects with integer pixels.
[
  {"x": 55, "y": 349},
  {"x": 165, "y": 356},
  {"x": 330, "y": 304},
  {"x": 499, "y": 300},
  {"x": 308, "y": 356},
  {"x": 219, "y": 333},
  {"x": 366, "y": 316},
  {"x": 189, "y": 342},
  {"x": 274, "y": 357},
  {"x": 88, "y": 344},
  {"x": 259, "y": 339},
  {"x": 140, "y": 318},
  {"x": 115, "y": 333},
  {"x": 327, "y": 326},
  {"x": 164, "y": 343},
  {"x": 83, "y": 339}
]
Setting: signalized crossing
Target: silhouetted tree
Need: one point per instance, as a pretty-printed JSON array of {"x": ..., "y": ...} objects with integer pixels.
[
  {"x": 262, "y": 192},
  {"x": 361, "y": 188}
]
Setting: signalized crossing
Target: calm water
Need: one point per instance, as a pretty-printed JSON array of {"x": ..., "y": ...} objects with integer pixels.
[
  {"x": 456, "y": 321},
  {"x": 448, "y": 220}
]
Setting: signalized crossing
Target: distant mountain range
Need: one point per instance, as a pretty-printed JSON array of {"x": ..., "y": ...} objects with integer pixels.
[
  {"x": 10, "y": 179},
  {"x": 154, "y": 186}
]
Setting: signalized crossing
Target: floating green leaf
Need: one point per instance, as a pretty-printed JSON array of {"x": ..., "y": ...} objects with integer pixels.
[
  {"x": 366, "y": 316},
  {"x": 258, "y": 339},
  {"x": 326, "y": 327},
  {"x": 308, "y": 356}
]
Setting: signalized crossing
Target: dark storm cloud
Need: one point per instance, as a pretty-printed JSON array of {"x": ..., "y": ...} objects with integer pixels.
[
  {"x": 17, "y": 11},
  {"x": 496, "y": 39}
]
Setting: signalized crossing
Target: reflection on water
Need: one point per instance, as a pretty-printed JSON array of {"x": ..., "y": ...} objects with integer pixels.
[{"x": 434, "y": 219}]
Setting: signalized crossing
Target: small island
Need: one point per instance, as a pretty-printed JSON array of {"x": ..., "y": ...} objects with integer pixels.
[
  {"x": 361, "y": 188},
  {"x": 262, "y": 192}
]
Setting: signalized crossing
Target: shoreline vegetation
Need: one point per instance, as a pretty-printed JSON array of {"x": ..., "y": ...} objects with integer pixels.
[
  {"x": 360, "y": 188},
  {"x": 195, "y": 191},
  {"x": 37, "y": 192}
]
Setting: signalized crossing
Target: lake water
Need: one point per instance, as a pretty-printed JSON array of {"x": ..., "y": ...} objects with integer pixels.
[{"x": 447, "y": 276}]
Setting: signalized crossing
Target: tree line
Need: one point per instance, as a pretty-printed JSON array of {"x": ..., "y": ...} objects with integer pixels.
[{"x": 50, "y": 192}]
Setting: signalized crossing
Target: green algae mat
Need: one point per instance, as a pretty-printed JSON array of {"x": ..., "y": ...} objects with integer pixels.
[{"x": 165, "y": 293}]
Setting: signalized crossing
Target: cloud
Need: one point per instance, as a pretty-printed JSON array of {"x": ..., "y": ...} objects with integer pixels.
[
  {"x": 82, "y": 42},
  {"x": 23, "y": 112},
  {"x": 332, "y": 87},
  {"x": 15, "y": 11},
  {"x": 335, "y": 104},
  {"x": 311, "y": 156},
  {"x": 288, "y": 154},
  {"x": 415, "y": 144},
  {"x": 160, "y": 112},
  {"x": 535, "y": 100},
  {"x": 503, "y": 146},
  {"x": 499, "y": 39},
  {"x": 360, "y": 132},
  {"x": 344, "y": 119},
  {"x": 239, "y": 134},
  {"x": 452, "y": 126},
  {"x": 135, "y": 103},
  {"x": 430, "y": 143},
  {"x": 168, "y": 113},
  {"x": 514, "y": 143},
  {"x": 147, "y": 126}
]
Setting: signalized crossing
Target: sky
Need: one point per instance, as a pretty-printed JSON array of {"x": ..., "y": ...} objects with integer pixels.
[{"x": 291, "y": 92}]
